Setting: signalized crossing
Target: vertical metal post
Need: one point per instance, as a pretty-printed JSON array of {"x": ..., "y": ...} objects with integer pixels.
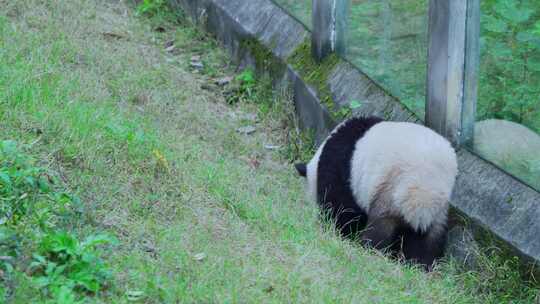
[
  {"x": 385, "y": 52},
  {"x": 453, "y": 59},
  {"x": 329, "y": 19}
]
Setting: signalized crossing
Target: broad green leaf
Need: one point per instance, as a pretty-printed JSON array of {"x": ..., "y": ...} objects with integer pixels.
[
  {"x": 60, "y": 241},
  {"x": 98, "y": 239},
  {"x": 65, "y": 295},
  {"x": 500, "y": 49},
  {"x": 355, "y": 104},
  {"x": 5, "y": 179},
  {"x": 41, "y": 281},
  {"x": 536, "y": 29},
  {"x": 30, "y": 181},
  {"x": 509, "y": 10},
  {"x": 86, "y": 279},
  {"x": 533, "y": 65},
  {"x": 493, "y": 24},
  {"x": 9, "y": 147},
  {"x": 43, "y": 185},
  {"x": 529, "y": 37}
]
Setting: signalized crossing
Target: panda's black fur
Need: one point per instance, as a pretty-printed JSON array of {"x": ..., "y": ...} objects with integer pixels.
[
  {"x": 333, "y": 183},
  {"x": 335, "y": 197}
]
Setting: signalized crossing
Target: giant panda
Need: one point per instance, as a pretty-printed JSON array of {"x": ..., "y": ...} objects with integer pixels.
[{"x": 386, "y": 183}]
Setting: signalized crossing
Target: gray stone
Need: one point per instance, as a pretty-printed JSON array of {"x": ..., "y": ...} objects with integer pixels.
[
  {"x": 170, "y": 48},
  {"x": 168, "y": 43},
  {"x": 223, "y": 81},
  {"x": 246, "y": 130},
  {"x": 197, "y": 65},
  {"x": 272, "y": 147}
]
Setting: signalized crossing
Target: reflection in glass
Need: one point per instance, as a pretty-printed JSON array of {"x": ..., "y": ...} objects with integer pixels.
[
  {"x": 508, "y": 107},
  {"x": 301, "y": 9},
  {"x": 387, "y": 40}
]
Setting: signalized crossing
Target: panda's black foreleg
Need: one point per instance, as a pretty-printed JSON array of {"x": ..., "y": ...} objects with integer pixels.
[
  {"x": 424, "y": 248},
  {"x": 380, "y": 232},
  {"x": 350, "y": 223}
]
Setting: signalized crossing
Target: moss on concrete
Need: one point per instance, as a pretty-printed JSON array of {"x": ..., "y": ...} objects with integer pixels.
[
  {"x": 265, "y": 60},
  {"x": 388, "y": 111},
  {"x": 316, "y": 75}
]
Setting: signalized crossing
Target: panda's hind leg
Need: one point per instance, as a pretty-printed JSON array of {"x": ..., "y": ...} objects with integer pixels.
[
  {"x": 424, "y": 248},
  {"x": 380, "y": 233}
]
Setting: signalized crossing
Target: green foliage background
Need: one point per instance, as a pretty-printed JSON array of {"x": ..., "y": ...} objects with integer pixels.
[{"x": 510, "y": 61}]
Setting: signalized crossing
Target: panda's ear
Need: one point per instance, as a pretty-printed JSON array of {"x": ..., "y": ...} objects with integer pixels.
[{"x": 301, "y": 168}]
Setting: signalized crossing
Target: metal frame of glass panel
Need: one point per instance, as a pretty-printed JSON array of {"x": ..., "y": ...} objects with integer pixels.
[
  {"x": 453, "y": 59},
  {"x": 329, "y": 18}
]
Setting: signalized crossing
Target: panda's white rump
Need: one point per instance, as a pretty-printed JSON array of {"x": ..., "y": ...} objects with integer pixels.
[{"x": 413, "y": 166}]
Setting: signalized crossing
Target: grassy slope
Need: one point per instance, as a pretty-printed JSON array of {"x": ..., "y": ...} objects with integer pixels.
[{"x": 216, "y": 218}]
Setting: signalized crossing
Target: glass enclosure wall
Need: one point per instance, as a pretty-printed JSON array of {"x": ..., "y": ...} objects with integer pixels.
[
  {"x": 300, "y": 9},
  {"x": 508, "y": 108},
  {"x": 387, "y": 40}
]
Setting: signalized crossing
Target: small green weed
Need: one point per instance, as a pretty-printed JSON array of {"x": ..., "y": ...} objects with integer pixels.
[
  {"x": 33, "y": 210},
  {"x": 247, "y": 80},
  {"x": 64, "y": 266},
  {"x": 243, "y": 88},
  {"x": 151, "y": 8},
  {"x": 159, "y": 14},
  {"x": 27, "y": 191},
  {"x": 346, "y": 111},
  {"x": 355, "y": 104}
]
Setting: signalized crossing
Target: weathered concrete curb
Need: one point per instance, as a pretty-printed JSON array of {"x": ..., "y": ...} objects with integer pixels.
[{"x": 483, "y": 193}]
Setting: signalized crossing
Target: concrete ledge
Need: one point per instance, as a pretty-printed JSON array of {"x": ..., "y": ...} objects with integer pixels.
[
  {"x": 310, "y": 113},
  {"x": 486, "y": 195},
  {"x": 504, "y": 205}
]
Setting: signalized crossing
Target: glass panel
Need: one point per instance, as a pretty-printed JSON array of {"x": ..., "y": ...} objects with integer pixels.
[
  {"x": 387, "y": 40},
  {"x": 301, "y": 9},
  {"x": 508, "y": 109}
]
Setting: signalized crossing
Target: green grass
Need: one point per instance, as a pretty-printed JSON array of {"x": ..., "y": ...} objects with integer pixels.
[
  {"x": 35, "y": 248},
  {"x": 201, "y": 212}
]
